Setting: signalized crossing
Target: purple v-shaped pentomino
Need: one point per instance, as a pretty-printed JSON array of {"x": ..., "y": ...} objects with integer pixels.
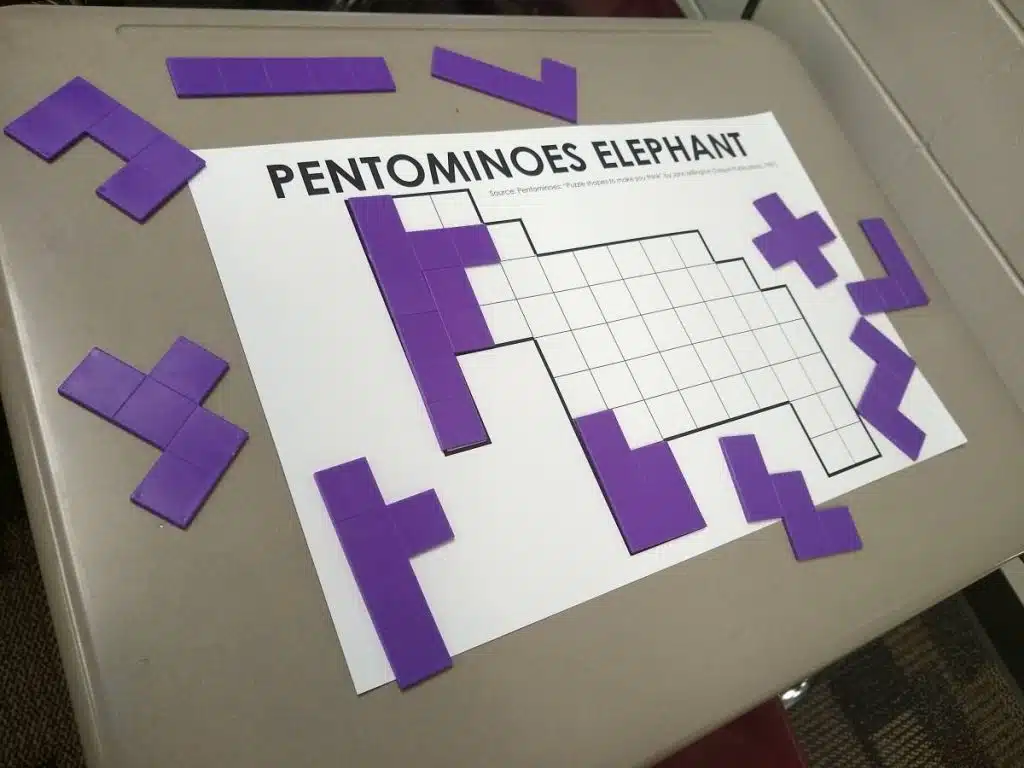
[
  {"x": 156, "y": 166},
  {"x": 880, "y": 402},
  {"x": 204, "y": 76},
  {"x": 768, "y": 496},
  {"x": 378, "y": 540},
  {"x": 553, "y": 94},
  {"x": 900, "y": 288},
  {"x": 164, "y": 408},
  {"x": 793, "y": 239},
  {"x": 645, "y": 488}
]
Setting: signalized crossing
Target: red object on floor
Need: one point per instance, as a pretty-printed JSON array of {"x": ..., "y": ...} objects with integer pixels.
[{"x": 761, "y": 738}]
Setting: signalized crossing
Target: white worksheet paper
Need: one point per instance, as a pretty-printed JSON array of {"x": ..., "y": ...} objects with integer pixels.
[{"x": 533, "y": 532}]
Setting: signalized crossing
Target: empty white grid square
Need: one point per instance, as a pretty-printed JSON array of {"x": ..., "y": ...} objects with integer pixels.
[
  {"x": 417, "y": 213},
  {"x": 651, "y": 375},
  {"x": 793, "y": 379},
  {"x": 746, "y": 351},
  {"x": 838, "y": 407},
  {"x": 580, "y": 393},
  {"x": 616, "y": 385},
  {"x": 710, "y": 282},
  {"x": 562, "y": 354},
  {"x": 580, "y": 308},
  {"x": 505, "y": 321},
  {"x": 510, "y": 241},
  {"x": 766, "y": 387},
  {"x": 637, "y": 425},
  {"x": 782, "y": 304},
  {"x": 857, "y": 442},
  {"x": 455, "y": 209},
  {"x": 670, "y": 414},
  {"x": 685, "y": 367},
  {"x": 736, "y": 396},
  {"x": 680, "y": 287},
  {"x": 727, "y": 316},
  {"x": 698, "y": 323},
  {"x": 813, "y": 416},
  {"x": 614, "y": 300},
  {"x": 737, "y": 276},
  {"x": 704, "y": 405},
  {"x": 597, "y": 345},
  {"x": 543, "y": 315},
  {"x": 691, "y": 249},
  {"x": 717, "y": 358},
  {"x": 832, "y": 451},
  {"x": 666, "y": 330},
  {"x": 662, "y": 254},
  {"x": 597, "y": 265},
  {"x": 755, "y": 309},
  {"x": 648, "y": 294},
  {"x": 563, "y": 271},
  {"x": 526, "y": 277},
  {"x": 819, "y": 372},
  {"x": 633, "y": 338},
  {"x": 489, "y": 284},
  {"x": 800, "y": 337},
  {"x": 773, "y": 342},
  {"x": 630, "y": 259}
]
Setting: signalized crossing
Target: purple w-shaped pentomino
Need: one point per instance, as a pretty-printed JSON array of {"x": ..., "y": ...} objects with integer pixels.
[
  {"x": 880, "y": 402},
  {"x": 156, "y": 166},
  {"x": 767, "y": 496},
  {"x": 164, "y": 408},
  {"x": 793, "y": 239},
  {"x": 900, "y": 289},
  {"x": 378, "y": 540}
]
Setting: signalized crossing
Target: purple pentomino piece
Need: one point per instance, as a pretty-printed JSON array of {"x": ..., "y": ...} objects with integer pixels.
[
  {"x": 157, "y": 166},
  {"x": 378, "y": 541},
  {"x": 793, "y": 239},
  {"x": 202, "y": 76},
  {"x": 880, "y": 402},
  {"x": 555, "y": 93},
  {"x": 164, "y": 408},
  {"x": 900, "y": 288},
  {"x": 645, "y": 488}
]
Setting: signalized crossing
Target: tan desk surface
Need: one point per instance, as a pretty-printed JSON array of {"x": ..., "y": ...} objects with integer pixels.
[{"x": 214, "y": 647}]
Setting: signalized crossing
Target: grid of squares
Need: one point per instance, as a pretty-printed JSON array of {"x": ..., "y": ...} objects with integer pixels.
[{"x": 658, "y": 331}]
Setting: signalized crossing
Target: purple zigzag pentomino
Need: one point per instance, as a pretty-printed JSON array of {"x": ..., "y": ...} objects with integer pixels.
[
  {"x": 164, "y": 408},
  {"x": 793, "y": 239},
  {"x": 900, "y": 289},
  {"x": 156, "y": 166},
  {"x": 880, "y": 402},
  {"x": 378, "y": 540},
  {"x": 767, "y": 496}
]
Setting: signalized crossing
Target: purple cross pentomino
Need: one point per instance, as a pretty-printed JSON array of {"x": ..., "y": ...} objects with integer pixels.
[
  {"x": 164, "y": 408},
  {"x": 793, "y": 239}
]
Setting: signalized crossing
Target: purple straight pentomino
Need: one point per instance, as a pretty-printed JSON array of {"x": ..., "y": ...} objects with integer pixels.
[{"x": 205, "y": 76}]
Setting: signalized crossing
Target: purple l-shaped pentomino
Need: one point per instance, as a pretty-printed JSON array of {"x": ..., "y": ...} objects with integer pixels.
[
  {"x": 164, "y": 408},
  {"x": 900, "y": 288}
]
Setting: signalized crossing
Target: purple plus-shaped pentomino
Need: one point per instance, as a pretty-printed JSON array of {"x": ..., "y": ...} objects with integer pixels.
[
  {"x": 768, "y": 496},
  {"x": 378, "y": 540},
  {"x": 793, "y": 239},
  {"x": 164, "y": 408},
  {"x": 156, "y": 165}
]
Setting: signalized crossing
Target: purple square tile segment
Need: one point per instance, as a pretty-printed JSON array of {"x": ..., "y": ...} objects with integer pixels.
[
  {"x": 349, "y": 490},
  {"x": 207, "y": 440},
  {"x": 101, "y": 383},
  {"x": 792, "y": 239},
  {"x": 175, "y": 490},
  {"x": 421, "y": 523},
  {"x": 195, "y": 77},
  {"x": 439, "y": 378},
  {"x": 751, "y": 478},
  {"x": 457, "y": 423},
  {"x": 243, "y": 77},
  {"x": 288, "y": 76},
  {"x": 61, "y": 119},
  {"x": 474, "y": 245},
  {"x": 423, "y": 336},
  {"x": 450, "y": 288},
  {"x": 124, "y": 133},
  {"x": 190, "y": 369},
  {"x": 434, "y": 248},
  {"x": 900, "y": 289},
  {"x": 467, "y": 328},
  {"x": 352, "y": 74},
  {"x": 555, "y": 93},
  {"x": 154, "y": 413}
]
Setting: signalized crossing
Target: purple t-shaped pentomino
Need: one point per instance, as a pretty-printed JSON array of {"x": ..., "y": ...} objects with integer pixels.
[
  {"x": 156, "y": 166},
  {"x": 164, "y": 408},
  {"x": 767, "y": 496},
  {"x": 900, "y": 288},
  {"x": 793, "y": 239},
  {"x": 378, "y": 540}
]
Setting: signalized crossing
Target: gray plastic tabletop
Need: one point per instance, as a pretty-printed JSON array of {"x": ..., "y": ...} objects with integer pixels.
[{"x": 214, "y": 647}]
